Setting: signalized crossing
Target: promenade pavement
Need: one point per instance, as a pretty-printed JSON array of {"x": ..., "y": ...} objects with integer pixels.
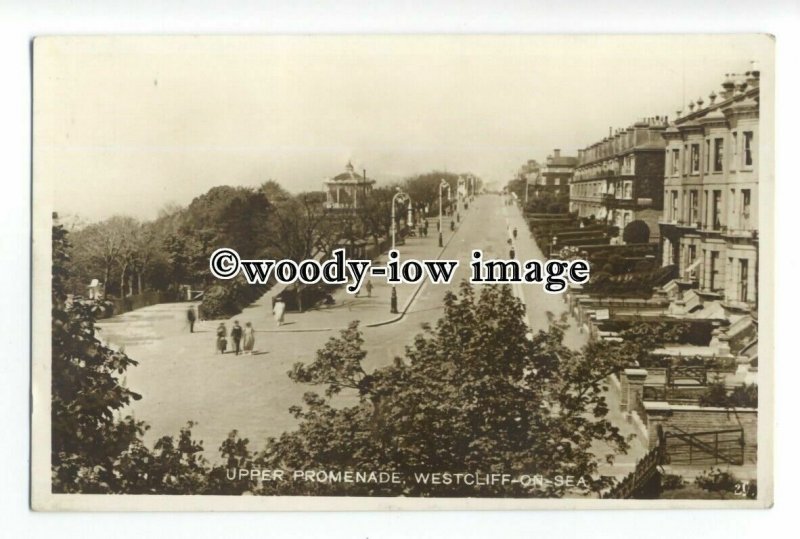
[{"x": 181, "y": 377}]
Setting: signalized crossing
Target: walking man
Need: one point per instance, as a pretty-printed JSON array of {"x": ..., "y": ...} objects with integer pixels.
[
  {"x": 236, "y": 335},
  {"x": 515, "y": 232},
  {"x": 369, "y": 288},
  {"x": 191, "y": 317}
]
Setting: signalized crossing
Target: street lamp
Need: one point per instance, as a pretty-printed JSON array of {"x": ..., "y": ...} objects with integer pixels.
[
  {"x": 399, "y": 196},
  {"x": 442, "y": 185}
]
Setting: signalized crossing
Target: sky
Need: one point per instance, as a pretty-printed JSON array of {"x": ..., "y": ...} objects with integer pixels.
[{"x": 130, "y": 125}]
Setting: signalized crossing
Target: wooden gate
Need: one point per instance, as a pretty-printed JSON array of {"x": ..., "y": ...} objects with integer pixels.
[{"x": 705, "y": 447}]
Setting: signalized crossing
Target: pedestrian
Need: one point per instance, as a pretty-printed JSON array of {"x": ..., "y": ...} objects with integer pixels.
[
  {"x": 278, "y": 310},
  {"x": 191, "y": 317},
  {"x": 511, "y": 253},
  {"x": 222, "y": 342},
  {"x": 236, "y": 337},
  {"x": 515, "y": 232},
  {"x": 369, "y": 288},
  {"x": 249, "y": 338}
]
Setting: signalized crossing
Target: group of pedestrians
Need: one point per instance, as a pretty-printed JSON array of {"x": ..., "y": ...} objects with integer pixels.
[
  {"x": 423, "y": 229},
  {"x": 243, "y": 339}
]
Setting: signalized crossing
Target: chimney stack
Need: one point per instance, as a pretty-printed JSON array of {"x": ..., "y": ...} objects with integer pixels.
[{"x": 557, "y": 153}]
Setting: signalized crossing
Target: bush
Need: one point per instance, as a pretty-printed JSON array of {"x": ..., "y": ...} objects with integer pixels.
[
  {"x": 228, "y": 299},
  {"x": 672, "y": 482},
  {"x": 310, "y": 296},
  {"x": 636, "y": 232},
  {"x": 715, "y": 480},
  {"x": 743, "y": 396}
]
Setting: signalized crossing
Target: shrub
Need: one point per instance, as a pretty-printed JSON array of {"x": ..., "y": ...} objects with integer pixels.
[
  {"x": 672, "y": 482},
  {"x": 309, "y": 296},
  {"x": 636, "y": 232},
  {"x": 743, "y": 396},
  {"x": 227, "y": 299},
  {"x": 715, "y": 480}
]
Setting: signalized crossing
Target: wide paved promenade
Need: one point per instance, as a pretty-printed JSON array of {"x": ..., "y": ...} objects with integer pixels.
[{"x": 181, "y": 378}]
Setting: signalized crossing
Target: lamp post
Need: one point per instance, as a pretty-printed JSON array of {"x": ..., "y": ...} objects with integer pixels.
[
  {"x": 442, "y": 185},
  {"x": 400, "y": 195}
]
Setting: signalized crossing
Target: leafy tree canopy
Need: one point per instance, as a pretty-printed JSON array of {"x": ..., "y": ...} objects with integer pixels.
[{"x": 472, "y": 394}]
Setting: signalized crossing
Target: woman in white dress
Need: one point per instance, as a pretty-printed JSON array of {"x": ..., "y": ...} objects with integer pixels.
[
  {"x": 249, "y": 336},
  {"x": 278, "y": 310}
]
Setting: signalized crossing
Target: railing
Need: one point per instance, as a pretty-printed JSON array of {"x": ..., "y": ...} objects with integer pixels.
[
  {"x": 644, "y": 472},
  {"x": 707, "y": 447}
]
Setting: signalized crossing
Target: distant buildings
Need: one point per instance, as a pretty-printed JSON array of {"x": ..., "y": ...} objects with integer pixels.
[
  {"x": 709, "y": 226},
  {"x": 530, "y": 173},
  {"x": 556, "y": 174},
  {"x": 619, "y": 179},
  {"x": 347, "y": 190}
]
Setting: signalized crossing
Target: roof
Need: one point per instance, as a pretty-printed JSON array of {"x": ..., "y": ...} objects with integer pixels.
[
  {"x": 562, "y": 161},
  {"x": 349, "y": 175}
]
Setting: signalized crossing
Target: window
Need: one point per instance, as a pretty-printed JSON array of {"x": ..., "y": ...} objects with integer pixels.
[
  {"x": 716, "y": 209},
  {"x": 693, "y": 207},
  {"x": 743, "y": 276},
  {"x": 683, "y": 208},
  {"x": 713, "y": 271},
  {"x": 718, "y": 147},
  {"x": 685, "y": 159},
  {"x": 674, "y": 211},
  {"x": 691, "y": 257},
  {"x": 708, "y": 156},
  {"x": 745, "y": 210},
  {"x": 676, "y": 158},
  {"x": 748, "y": 148},
  {"x": 695, "y": 158}
]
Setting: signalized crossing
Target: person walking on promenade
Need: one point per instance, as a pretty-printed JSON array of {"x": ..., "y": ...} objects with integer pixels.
[
  {"x": 511, "y": 253},
  {"x": 278, "y": 310},
  {"x": 222, "y": 342},
  {"x": 515, "y": 232},
  {"x": 236, "y": 336},
  {"x": 249, "y": 338},
  {"x": 369, "y": 288},
  {"x": 191, "y": 317}
]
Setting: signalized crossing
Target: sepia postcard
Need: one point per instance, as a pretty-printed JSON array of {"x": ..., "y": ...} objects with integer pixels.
[{"x": 402, "y": 272}]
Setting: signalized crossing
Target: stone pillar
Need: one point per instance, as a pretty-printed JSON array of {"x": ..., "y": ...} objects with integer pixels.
[{"x": 632, "y": 384}]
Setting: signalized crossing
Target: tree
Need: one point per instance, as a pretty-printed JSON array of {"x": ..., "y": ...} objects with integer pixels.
[
  {"x": 86, "y": 393},
  {"x": 376, "y": 212},
  {"x": 424, "y": 189},
  {"x": 94, "y": 451},
  {"x": 298, "y": 225},
  {"x": 636, "y": 232},
  {"x": 472, "y": 394}
]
